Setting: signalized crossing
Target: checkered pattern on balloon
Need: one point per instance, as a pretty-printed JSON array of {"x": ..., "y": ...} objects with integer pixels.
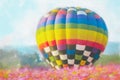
[{"x": 71, "y": 37}]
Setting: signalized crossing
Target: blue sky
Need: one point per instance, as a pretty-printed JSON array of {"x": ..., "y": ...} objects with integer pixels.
[{"x": 19, "y": 18}]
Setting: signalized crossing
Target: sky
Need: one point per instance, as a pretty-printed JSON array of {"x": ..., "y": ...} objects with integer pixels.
[{"x": 19, "y": 18}]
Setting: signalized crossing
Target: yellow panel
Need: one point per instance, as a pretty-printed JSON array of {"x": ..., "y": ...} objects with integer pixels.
[
  {"x": 60, "y": 34},
  {"x": 70, "y": 34},
  {"x": 105, "y": 40},
  {"x": 80, "y": 34},
  {"x": 41, "y": 29},
  {"x": 88, "y": 35},
  {"x": 55, "y": 10},
  {"x": 38, "y": 39},
  {"x": 93, "y": 36},
  {"x": 41, "y": 37},
  {"x": 99, "y": 38},
  {"x": 59, "y": 62},
  {"x": 82, "y": 62},
  {"x": 50, "y": 34},
  {"x": 76, "y": 34}
]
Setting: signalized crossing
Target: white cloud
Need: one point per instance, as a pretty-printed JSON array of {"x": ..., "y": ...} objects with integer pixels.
[{"x": 24, "y": 30}]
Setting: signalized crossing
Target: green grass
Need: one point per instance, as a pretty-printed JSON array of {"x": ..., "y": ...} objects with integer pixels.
[{"x": 108, "y": 59}]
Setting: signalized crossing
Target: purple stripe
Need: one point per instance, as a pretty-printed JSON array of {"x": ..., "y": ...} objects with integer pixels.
[
  {"x": 61, "y": 47},
  {"x": 42, "y": 22}
]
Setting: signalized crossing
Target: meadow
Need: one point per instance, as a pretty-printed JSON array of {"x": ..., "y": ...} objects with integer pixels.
[
  {"x": 108, "y": 59},
  {"x": 106, "y": 68}
]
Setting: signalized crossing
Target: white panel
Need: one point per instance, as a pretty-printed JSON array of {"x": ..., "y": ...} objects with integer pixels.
[
  {"x": 89, "y": 59},
  {"x": 47, "y": 49},
  {"x": 81, "y": 12},
  {"x": 63, "y": 57},
  {"x": 55, "y": 53},
  {"x": 80, "y": 47},
  {"x": 86, "y": 53},
  {"x": 71, "y": 61}
]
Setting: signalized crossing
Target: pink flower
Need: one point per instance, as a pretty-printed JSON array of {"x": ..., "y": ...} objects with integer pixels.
[{"x": 108, "y": 72}]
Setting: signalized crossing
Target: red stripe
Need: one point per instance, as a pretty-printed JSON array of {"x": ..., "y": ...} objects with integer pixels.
[
  {"x": 52, "y": 43},
  {"x": 61, "y": 42},
  {"x": 61, "y": 12},
  {"x": 46, "y": 44},
  {"x": 40, "y": 47},
  {"x": 73, "y": 42},
  {"x": 99, "y": 47},
  {"x": 85, "y": 42},
  {"x": 43, "y": 45}
]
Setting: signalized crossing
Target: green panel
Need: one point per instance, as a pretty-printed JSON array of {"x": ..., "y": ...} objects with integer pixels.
[
  {"x": 72, "y": 25},
  {"x": 79, "y": 26},
  {"x": 50, "y": 27},
  {"x": 60, "y": 26},
  {"x": 78, "y": 57},
  {"x": 41, "y": 29},
  {"x": 94, "y": 28},
  {"x": 52, "y": 59}
]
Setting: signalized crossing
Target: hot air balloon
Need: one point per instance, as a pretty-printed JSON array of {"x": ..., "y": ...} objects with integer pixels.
[{"x": 71, "y": 37}]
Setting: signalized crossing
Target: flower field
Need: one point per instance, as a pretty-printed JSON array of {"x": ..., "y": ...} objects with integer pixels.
[{"x": 107, "y": 72}]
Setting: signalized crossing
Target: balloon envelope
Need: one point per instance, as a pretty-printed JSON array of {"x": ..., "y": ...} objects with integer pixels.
[{"x": 71, "y": 37}]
